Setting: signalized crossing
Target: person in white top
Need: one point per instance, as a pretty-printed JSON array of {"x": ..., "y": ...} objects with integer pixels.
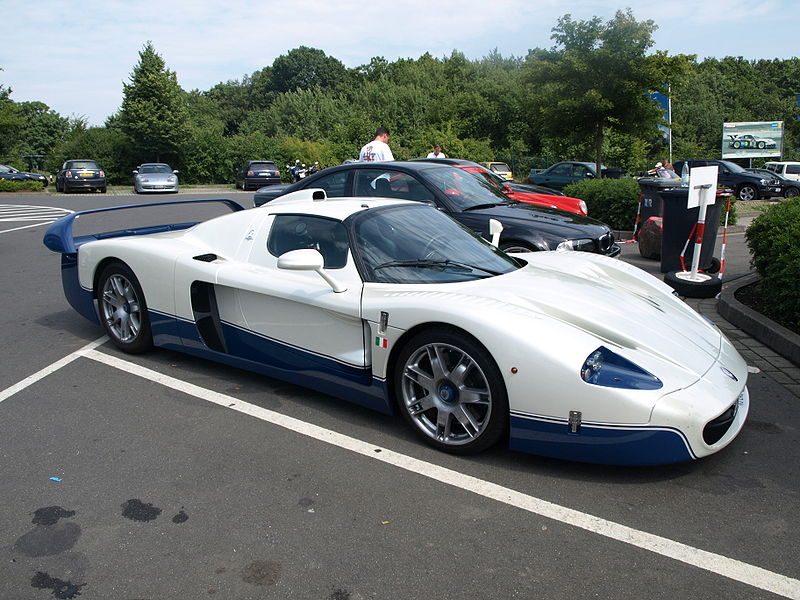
[
  {"x": 378, "y": 149},
  {"x": 437, "y": 152}
]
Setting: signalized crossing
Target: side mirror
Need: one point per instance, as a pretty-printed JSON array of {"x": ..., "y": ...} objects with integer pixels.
[
  {"x": 495, "y": 229},
  {"x": 589, "y": 175},
  {"x": 135, "y": 172},
  {"x": 308, "y": 259},
  {"x": 175, "y": 172}
]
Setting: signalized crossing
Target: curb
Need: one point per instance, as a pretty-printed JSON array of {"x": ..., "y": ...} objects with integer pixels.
[{"x": 768, "y": 332}]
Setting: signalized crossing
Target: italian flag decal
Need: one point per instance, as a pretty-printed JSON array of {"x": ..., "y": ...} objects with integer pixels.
[{"x": 381, "y": 342}]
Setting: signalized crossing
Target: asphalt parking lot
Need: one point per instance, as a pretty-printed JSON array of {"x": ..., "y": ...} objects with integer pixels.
[{"x": 162, "y": 476}]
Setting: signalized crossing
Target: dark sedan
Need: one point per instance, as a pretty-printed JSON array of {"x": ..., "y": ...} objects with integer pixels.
[
  {"x": 257, "y": 173},
  {"x": 81, "y": 175},
  {"x": 464, "y": 197},
  {"x": 790, "y": 187},
  {"x": 13, "y": 174}
]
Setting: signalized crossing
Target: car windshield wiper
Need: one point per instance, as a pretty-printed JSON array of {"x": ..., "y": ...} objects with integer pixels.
[
  {"x": 424, "y": 263},
  {"x": 491, "y": 205}
]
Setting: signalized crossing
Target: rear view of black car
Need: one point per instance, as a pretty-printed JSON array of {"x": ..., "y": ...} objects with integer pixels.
[
  {"x": 80, "y": 175},
  {"x": 256, "y": 174},
  {"x": 464, "y": 197}
]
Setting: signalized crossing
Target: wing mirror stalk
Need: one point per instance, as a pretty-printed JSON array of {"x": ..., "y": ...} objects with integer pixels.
[
  {"x": 495, "y": 229},
  {"x": 308, "y": 259}
]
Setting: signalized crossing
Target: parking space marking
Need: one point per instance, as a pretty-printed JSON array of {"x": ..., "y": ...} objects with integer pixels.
[
  {"x": 28, "y": 381},
  {"x": 715, "y": 563},
  {"x": 41, "y": 215}
]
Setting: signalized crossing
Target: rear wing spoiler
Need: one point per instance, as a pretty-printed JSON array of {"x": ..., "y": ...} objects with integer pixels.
[{"x": 59, "y": 237}]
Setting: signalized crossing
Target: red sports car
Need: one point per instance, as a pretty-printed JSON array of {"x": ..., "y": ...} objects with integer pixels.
[{"x": 530, "y": 194}]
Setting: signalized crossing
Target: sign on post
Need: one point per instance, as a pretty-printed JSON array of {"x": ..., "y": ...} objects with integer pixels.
[{"x": 754, "y": 139}]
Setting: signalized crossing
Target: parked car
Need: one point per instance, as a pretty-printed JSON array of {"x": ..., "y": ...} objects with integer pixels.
[
  {"x": 155, "y": 177},
  {"x": 561, "y": 174},
  {"x": 750, "y": 141},
  {"x": 80, "y": 174},
  {"x": 517, "y": 191},
  {"x": 392, "y": 305},
  {"x": 12, "y": 174},
  {"x": 466, "y": 198},
  {"x": 791, "y": 188},
  {"x": 746, "y": 186},
  {"x": 256, "y": 174},
  {"x": 787, "y": 169},
  {"x": 501, "y": 168}
]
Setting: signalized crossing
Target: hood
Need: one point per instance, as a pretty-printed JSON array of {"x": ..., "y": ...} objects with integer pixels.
[
  {"x": 621, "y": 305},
  {"x": 558, "y": 223}
]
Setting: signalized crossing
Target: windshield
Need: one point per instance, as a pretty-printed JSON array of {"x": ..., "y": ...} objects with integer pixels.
[
  {"x": 419, "y": 244},
  {"x": 5, "y": 169},
  {"x": 155, "y": 169},
  {"x": 501, "y": 167},
  {"x": 464, "y": 189}
]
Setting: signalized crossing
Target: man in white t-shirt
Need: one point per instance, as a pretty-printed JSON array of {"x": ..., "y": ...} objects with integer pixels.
[
  {"x": 378, "y": 149},
  {"x": 437, "y": 152}
]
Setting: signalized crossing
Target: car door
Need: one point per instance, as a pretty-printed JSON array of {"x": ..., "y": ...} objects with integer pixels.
[{"x": 294, "y": 319}]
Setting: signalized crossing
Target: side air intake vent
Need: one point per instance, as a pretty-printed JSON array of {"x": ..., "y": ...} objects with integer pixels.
[{"x": 206, "y": 315}]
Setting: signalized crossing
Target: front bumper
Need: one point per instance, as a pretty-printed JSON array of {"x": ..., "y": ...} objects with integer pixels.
[{"x": 157, "y": 187}]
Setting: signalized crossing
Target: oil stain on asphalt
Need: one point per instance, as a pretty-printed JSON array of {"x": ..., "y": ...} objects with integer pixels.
[
  {"x": 49, "y": 537},
  {"x": 63, "y": 590},
  {"x": 136, "y": 510},
  {"x": 262, "y": 572}
]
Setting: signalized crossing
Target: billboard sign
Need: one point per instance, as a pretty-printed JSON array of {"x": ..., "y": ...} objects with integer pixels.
[{"x": 760, "y": 139}]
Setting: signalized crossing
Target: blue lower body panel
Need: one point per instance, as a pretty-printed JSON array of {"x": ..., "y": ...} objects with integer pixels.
[
  {"x": 265, "y": 356},
  {"x": 80, "y": 299},
  {"x": 603, "y": 444}
]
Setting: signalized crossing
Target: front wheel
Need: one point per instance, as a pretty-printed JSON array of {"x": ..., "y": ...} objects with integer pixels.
[
  {"x": 123, "y": 310},
  {"x": 791, "y": 192},
  {"x": 451, "y": 392},
  {"x": 748, "y": 192}
]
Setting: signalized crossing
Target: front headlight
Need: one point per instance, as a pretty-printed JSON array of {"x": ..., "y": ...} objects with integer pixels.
[
  {"x": 172, "y": 179},
  {"x": 577, "y": 245},
  {"x": 607, "y": 369},
  {"x": 764, "y": 182}
]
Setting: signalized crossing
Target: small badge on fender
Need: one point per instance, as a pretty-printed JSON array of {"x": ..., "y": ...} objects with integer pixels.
[{"x": 381, "y": 342}]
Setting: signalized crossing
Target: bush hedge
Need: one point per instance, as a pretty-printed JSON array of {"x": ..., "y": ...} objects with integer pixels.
[
  {"x": 6, "y": 185},
  {"x": 774, "y": 241},
  {"x": 614, "y": 201}
]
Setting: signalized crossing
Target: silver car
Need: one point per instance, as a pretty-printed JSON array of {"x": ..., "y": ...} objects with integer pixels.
[{"x": 155, "y": 177}]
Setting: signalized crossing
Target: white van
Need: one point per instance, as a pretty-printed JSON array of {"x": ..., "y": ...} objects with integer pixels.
[{"x": 787, "y": 169}]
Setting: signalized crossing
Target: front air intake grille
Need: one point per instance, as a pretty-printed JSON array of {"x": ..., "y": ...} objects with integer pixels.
[{"x": 714, "y": 430}]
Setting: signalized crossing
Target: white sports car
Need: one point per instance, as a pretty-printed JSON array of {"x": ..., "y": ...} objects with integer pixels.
[{"x": 393, "y": 305}]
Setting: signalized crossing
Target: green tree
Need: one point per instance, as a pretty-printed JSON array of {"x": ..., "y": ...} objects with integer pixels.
[
  {"x": 304, "y": 68},
  {"x": 154, "y": 113},
  {"x": 41, "y": 130},
  {"x": 595, "y": 79},
  {"x": 10, "y": 122}
]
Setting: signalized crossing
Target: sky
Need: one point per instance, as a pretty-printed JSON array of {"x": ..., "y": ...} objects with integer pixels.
[{"x": 74, "y": 57}]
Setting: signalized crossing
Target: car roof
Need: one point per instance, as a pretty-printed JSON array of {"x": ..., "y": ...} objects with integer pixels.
[
  {"x": 304, "y": 202},
  {"x": 449, "y": 161},
  {"x": 154, "y": 165},
  {"x": 782, "y": 162}
]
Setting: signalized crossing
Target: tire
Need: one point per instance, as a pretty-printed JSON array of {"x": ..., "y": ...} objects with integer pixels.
[
  {"x": 58, "y": 187},
  {"x": 747, "y": 192},
  {"x": 693, "y": 289},
  {"x": 65, "y": 188},
  {"x": 736, "y": 144},
  {"x": 715, "y": 266},
  {"x": 123, "y": 309},
  {"x": 761, "y": 145},
  {"x": 450, "y": 391},
  {"x": 513, "y": 246},
  {"x": 103, "y": 190},
  {"x": 791, "y": 192}
]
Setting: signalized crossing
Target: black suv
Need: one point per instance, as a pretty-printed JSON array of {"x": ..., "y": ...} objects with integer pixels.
[
  {"x": 256, "y": 174},
  {"x": 748, "y": 186},
  {"x": 80, "y": 175}
]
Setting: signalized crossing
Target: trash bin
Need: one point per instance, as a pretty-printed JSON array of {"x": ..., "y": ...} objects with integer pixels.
[
  {"x": 652, "y": 203},
  {"x": 678, "y": 223}
]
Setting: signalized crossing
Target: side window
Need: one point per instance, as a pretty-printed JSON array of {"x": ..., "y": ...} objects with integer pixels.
[
  {"x": 384, "y": 183},
  {"x": 296, "y": 232},
  {"x": 562, "y": 170},
  {"x": 793, "y": 169},
  {"x": 333, "y": 184}
]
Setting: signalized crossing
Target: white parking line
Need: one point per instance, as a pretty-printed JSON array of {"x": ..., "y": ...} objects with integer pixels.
[
  {"x": 714, "y": 563},
  {"x": 43, "y": 215},
  {"x": 28, "y": 381}
]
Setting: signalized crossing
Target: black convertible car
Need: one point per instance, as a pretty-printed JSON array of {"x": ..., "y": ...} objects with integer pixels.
[{"x": 469, "y": 200}]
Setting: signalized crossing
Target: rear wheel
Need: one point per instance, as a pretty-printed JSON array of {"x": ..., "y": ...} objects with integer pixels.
[
  {"x": 123, "y": 310},
  {"x": 451, "y": 392}
]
